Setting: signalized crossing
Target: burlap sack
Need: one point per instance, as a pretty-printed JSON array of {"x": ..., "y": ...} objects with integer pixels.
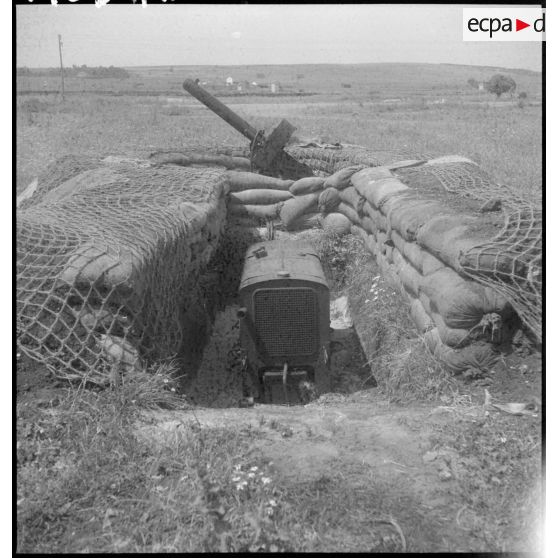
[
  {"x": 349, "y": 212},
  {"x": 447, "y": 238},
  {"x": 419, "y": 258},
  {"x": 258, "y": 211},
  {"x": 407, "y": 215},
  {"x": 238, "y": 181},
  {"x": 329, "y": 200},
  {"x": 353, "y": 198},
  {"x": 408, "y": 275},
  {"x": 380, "y": 220},
  {"x": 336, "y": 223},
  {"x": 259, "y": 197},
  {"x": 479, "y": 356},
  {"x": 299, "y": 205},
  {"x": 307, "y": 185},
  {"x": 461, "y": 303},
  {"x": 420, "y": 317},
  {"x": 341, "y": 178},
  {"x": 377, "y": 192}
]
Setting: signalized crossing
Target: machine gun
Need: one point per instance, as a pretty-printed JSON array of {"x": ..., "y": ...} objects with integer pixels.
[{"x": 267, "y": 155}]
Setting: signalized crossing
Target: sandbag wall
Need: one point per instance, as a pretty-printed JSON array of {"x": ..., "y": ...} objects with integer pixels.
[
  {"x": 109, "y": 258},
  {"x": 417, "y": 241}
]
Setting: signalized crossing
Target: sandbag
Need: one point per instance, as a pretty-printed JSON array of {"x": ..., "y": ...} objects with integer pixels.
[
  {"x": 299, "y": 205},
  {"x": 461, "y": 303},
  {"x": 307, "y": 185},
  {"x": 409, "y": 276},
  {"x": 349, "y": 212},
  {"x": 446, "y": 237},
  {"x": 259, "y": 196},
  {"x": 329, "y": 200},
  {"x": 91, "y": 264},
  {"x": 239, "y": 181},
  {"x": 336, "y": 223},
  {"x": 450, "y": 336},
  {"x": 370, "y": 174},
  {"x": 258, "y": 211},
  {"x": 341, "y": 178},
  {"x": 479, "y": 356},
  {"x": 378, "y": 192},
  {"x": 420, "y": 317},
  {"x": 368, "y": 225},
  {"x": 407, "y": 214},
  {"x": 418, "y": 257},
  {"x": 377, "y": 216},
  {"x": 353, "y": 198}
]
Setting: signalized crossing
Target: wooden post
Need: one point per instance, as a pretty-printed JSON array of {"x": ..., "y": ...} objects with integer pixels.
[{"x": 61, "y": 65}]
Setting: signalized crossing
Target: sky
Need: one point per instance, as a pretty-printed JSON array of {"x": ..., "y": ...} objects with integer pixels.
[{"x": 211, "y": 34}]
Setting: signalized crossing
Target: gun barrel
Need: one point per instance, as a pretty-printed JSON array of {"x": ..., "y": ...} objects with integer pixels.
[{"x": 220, "y": 109}]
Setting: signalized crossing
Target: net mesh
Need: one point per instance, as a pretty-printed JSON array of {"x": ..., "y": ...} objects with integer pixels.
[
  {"x": 102, "y": 261},
  {"x": 510, "y": 262},
  {"x": 327, "y": 159}
]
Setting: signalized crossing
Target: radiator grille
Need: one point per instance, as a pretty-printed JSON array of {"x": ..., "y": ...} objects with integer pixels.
[{"x": 287, "y": 321}]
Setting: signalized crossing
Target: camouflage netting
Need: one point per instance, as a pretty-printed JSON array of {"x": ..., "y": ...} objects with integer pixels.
[
  {"x": 325, "y": 159},
  {"x": 108, "y": 253}
]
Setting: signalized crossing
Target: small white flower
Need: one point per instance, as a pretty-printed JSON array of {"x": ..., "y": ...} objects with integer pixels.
[
  {"x": 237, "y": 467},
  {"x": 273, "y": 502},
  {"x": 165, "y": 381},
  {"x": 366, "y": 300},
  {"x": 236, "y": 479},
  {"x": 172, "y": 389},
  {"x": 253, "y": 469},
  {"x": 266, "y": 480},
  {"x": 251, "y": 475}
]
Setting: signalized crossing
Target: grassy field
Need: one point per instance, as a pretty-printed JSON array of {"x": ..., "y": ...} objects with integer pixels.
[
  {"x": 92, "y": 479},
  {"x": 503, "y": 136}
]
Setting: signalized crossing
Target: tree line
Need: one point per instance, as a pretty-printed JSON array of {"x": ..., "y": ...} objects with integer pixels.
[{"x": 75, "y": 71}]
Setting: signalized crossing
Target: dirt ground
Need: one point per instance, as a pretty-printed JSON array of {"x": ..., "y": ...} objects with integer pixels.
[{"x": 373, "y": 445}]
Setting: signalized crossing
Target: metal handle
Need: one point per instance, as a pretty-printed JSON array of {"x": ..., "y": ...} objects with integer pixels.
[{"x": 220, "y": 109}]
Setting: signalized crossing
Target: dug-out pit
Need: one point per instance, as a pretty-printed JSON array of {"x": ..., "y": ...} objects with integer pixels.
[{"x": 214, "y": 361}]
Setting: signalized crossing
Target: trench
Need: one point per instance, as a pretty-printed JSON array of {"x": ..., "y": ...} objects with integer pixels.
[{"x": 213, "y": 361}]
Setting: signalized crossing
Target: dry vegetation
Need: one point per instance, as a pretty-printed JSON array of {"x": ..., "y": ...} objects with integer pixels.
[{"x": 88, "y": 482}]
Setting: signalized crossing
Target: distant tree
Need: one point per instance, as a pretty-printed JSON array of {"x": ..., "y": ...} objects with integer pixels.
[
  {"x": 171, "y": 69},
  {"x": 299, "y": 76},
  {"x": 473, "y": 83},
  {"x": 499, "y": 84},
  {"x": 522, "y": 95},
  {"x": 260, "y": 75}
]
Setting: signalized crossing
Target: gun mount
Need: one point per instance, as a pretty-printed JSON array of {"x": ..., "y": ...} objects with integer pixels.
[{"x": 267, "y": 154}]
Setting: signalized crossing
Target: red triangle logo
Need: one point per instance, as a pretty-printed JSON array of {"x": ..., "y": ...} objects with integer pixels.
[{"x": 519, "y": 25}]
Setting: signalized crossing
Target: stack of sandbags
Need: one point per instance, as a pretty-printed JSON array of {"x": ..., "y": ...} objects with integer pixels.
[
  {"x": 417, "y": 243},
  {"x": 256, "y": 196}
]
